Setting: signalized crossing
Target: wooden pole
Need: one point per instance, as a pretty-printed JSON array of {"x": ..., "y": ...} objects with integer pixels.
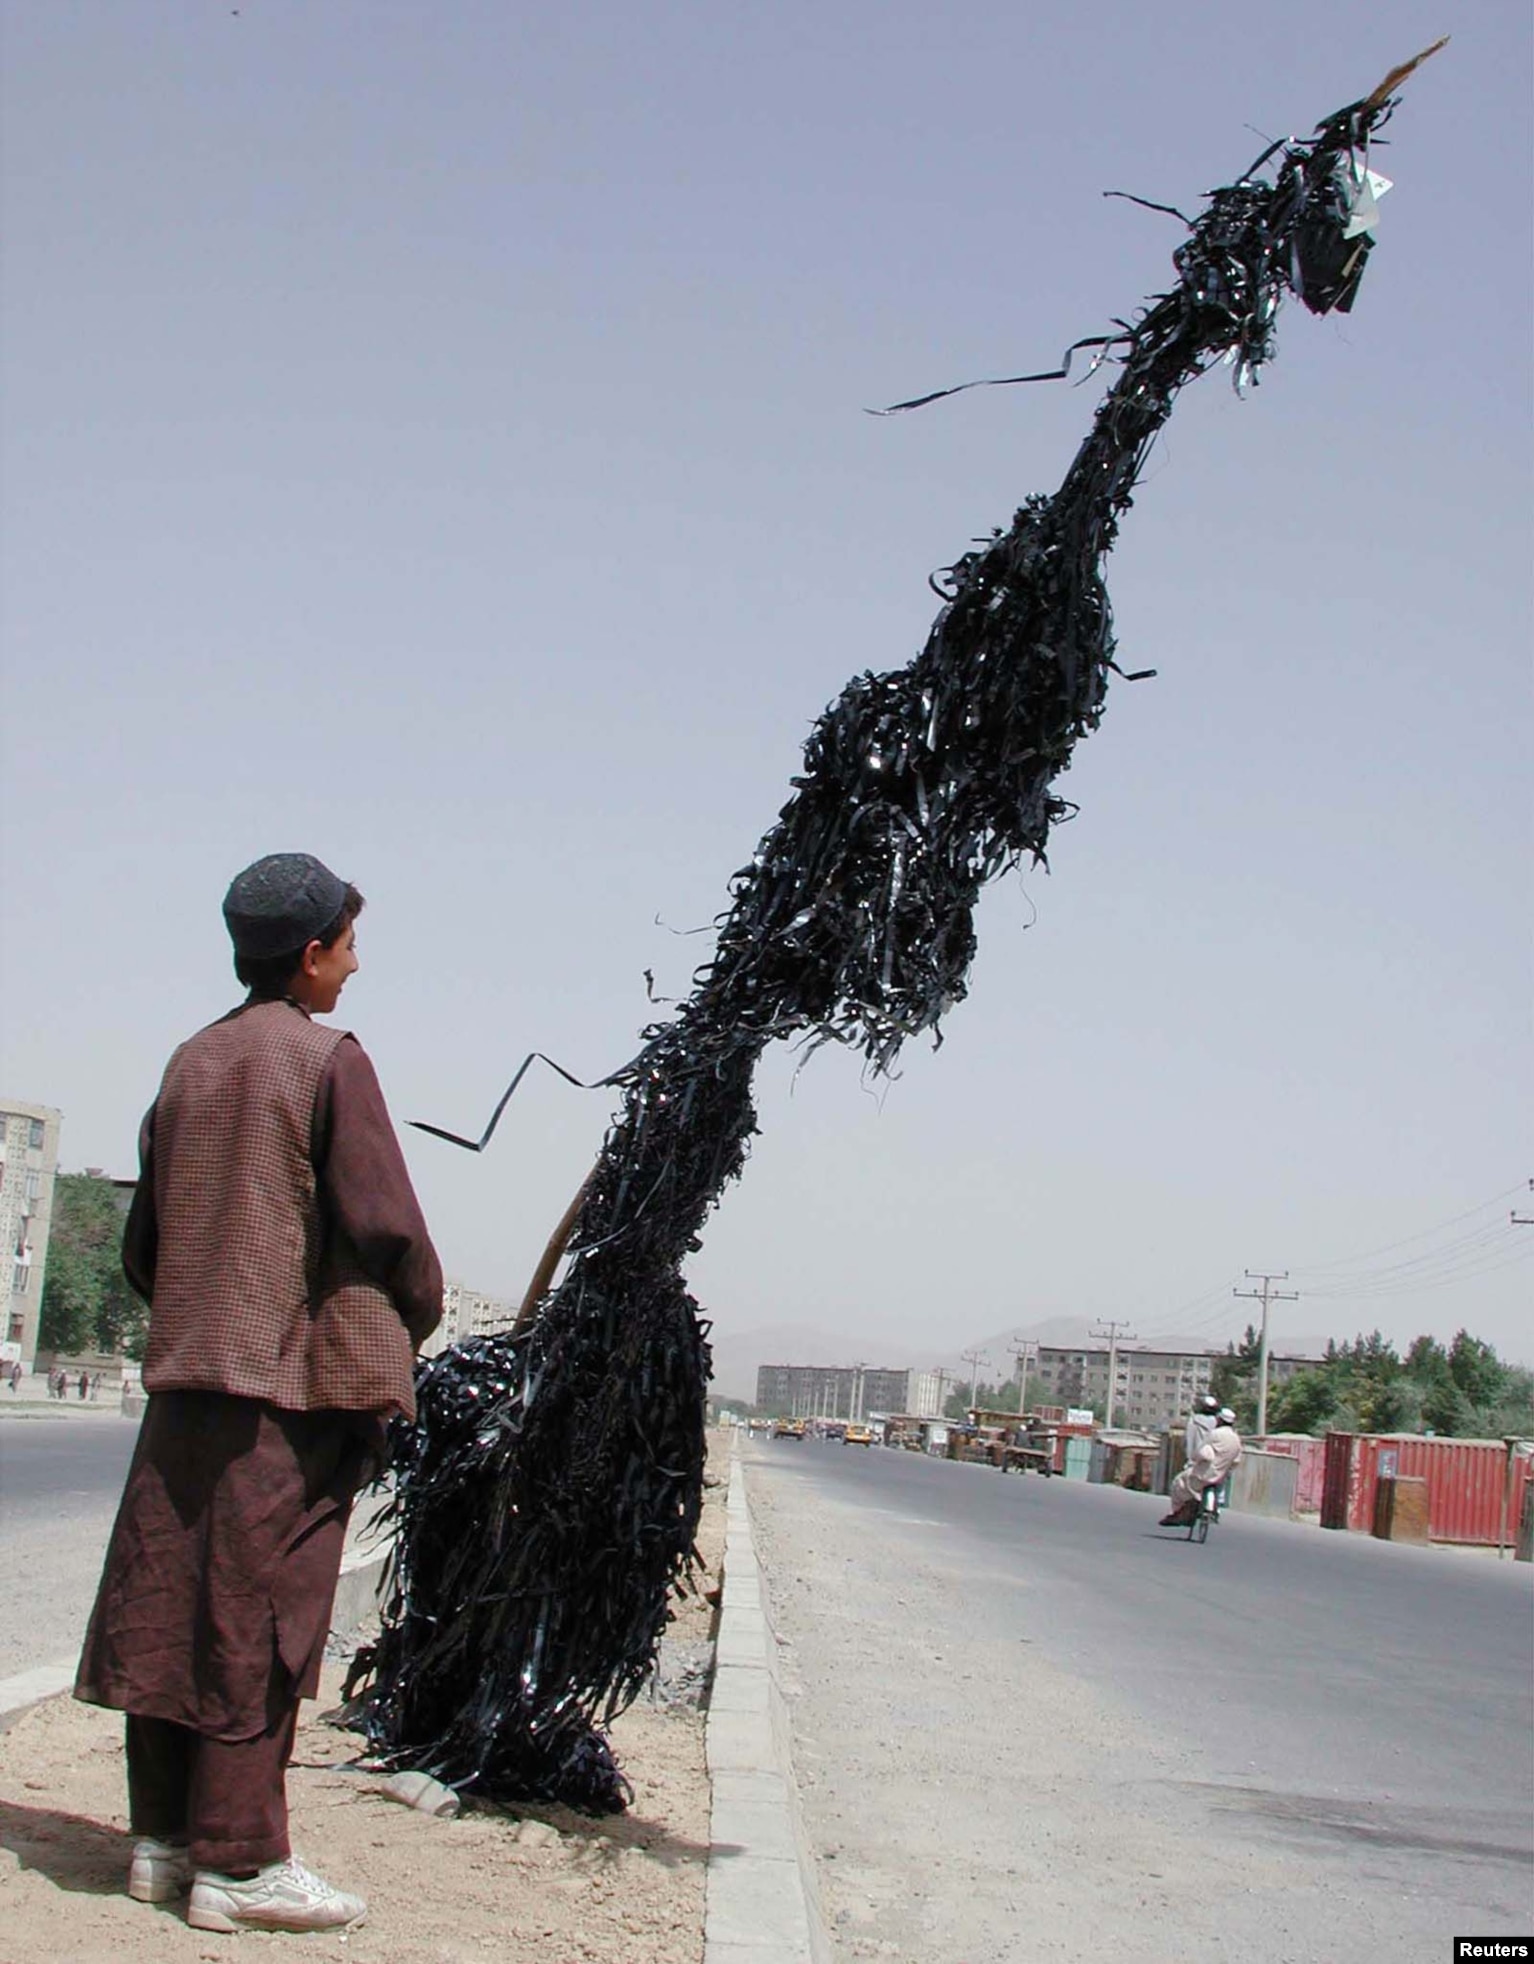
[{"x": 559, "y": 1240}]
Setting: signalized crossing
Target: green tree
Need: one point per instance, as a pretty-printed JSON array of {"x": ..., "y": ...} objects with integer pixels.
[
  {"x": 1446, "y": 1410},
  {"x": 87, "y": 1303},
  {"x": 1476, "y": 1369},
  {"x": 1387, "y": 1404},
  {"x": 1000, "y": 1397},
  {"x": 71, "y": 1295},
  {"x": 1427, "y": 1361},
  {"x": 1374, "y": 1358},
  {"x": 1513, "y": 1411},
  {"x": 1233, "y": 1380},
  {"x": 1305, "y": 1404}
]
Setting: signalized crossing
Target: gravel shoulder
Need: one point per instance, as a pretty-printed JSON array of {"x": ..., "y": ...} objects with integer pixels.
[{"x": 537, "y": 1883}]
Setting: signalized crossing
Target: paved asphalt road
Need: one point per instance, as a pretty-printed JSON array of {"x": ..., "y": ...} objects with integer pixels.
[
  {"x": 1027, "y": 1720},
  {"x": 60, "y": 1480}
]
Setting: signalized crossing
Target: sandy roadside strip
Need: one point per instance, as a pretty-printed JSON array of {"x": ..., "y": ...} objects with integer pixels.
[{"x": 531, "y": 1883}]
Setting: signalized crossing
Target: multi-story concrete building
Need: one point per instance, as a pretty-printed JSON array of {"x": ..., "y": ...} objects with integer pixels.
[
  {"x": 846, "y": 1391},
  {"x": 1154, "y": 1388},
  {"x": 29, "y": 1160},
  {"x": 466, "y": 1313}
]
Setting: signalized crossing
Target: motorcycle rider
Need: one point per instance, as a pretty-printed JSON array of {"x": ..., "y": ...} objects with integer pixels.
[
  {"x": 1208, "y": 1468},
  {"x": 1201, "y": 1423}
]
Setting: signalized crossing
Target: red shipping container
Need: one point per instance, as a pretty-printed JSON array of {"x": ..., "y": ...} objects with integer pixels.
[{"x": 1466, "y": 1482}]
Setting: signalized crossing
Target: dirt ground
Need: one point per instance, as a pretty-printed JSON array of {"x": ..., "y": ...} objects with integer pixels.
[{"x": 542, "y": 1883}]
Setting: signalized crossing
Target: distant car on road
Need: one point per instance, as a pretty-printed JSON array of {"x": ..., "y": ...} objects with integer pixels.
[
  {"x": 788, "y": 1428},
  {"x": 859, "y": 1435}
]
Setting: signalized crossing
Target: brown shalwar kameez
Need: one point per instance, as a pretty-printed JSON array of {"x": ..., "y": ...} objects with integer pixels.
[
  {"x": 211, "y": 1620},
  {"x": 215, "y": 1600}
]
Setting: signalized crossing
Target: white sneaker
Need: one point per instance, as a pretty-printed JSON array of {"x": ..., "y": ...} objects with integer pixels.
[
  {"x": 160, "y": 1870},
  {"x": 282, "y": 1896}
]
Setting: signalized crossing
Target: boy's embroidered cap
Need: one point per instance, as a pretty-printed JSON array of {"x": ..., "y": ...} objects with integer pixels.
[{"x": 280, "y": 904}]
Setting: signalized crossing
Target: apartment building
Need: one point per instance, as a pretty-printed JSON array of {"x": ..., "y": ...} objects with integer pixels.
[
  {"x": 29, "y": 1162},
  {"x": 1153, "y": 1388},
  {"x": 1156, "y": 1388},
  {"x": 846, "y": 1391},
  {"x": 468, "y": 1313}
]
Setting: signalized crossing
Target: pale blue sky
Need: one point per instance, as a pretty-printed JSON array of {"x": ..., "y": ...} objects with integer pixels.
[{"x": 434, "y": 439}]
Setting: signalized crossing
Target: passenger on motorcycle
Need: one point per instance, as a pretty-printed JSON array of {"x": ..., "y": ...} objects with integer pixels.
[{"x": 1207, "y": 1468}]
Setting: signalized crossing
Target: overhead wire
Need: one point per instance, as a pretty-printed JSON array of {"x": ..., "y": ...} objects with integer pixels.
[{"x": 1490, "y": 1248}]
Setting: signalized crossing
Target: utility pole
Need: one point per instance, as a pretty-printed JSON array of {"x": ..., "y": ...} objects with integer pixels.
[
  {"x": 1266, "y": 1294},
  {"x": 1020, "y": 1356},
  {"x": 1113, "y": 1333},
  {"x": 974, "y": 1359}
]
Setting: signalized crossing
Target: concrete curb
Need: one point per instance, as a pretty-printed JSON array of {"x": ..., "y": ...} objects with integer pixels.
[
  {"x": 357, "y": 1588},
  {"x": 761, "y": 1901}
]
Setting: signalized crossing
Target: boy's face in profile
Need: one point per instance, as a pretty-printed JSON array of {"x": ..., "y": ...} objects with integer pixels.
[{"x": 324, "y": 972}]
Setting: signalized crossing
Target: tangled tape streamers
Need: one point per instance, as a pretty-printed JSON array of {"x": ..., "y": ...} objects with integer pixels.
[{"x": 548, "y": 1495}]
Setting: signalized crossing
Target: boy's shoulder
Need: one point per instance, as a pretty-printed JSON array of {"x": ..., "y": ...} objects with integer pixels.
[{"x": 256, "y": 1028}]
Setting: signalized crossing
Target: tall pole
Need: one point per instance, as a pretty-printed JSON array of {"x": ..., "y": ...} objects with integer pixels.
[
  {"x": 1266, "y": 1294},
  {"x": 1020, "y": 1354},
  {"x": 974, "y": 1358},
  {"x": 1114, "y": 1331}
]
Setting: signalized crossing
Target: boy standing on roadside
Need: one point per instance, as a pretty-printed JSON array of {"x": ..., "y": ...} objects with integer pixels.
[{"x": 290, "y": 1280}]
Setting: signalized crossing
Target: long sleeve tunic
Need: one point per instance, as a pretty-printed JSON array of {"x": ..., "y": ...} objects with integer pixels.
[{"x": 292, "y": 1243}]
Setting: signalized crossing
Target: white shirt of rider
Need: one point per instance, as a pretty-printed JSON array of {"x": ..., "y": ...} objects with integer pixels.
[{"x": 1217, "y": 1455}]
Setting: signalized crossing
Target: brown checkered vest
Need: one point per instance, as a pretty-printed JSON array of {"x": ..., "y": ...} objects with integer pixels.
[{"x": 254, "y": 1293}]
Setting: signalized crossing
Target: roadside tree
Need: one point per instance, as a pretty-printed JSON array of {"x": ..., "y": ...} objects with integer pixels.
[{"x": 87, "y": 1304}]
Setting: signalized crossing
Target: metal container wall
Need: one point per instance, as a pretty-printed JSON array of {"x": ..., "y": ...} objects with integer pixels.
[
  {"x": 1311, "y": 1454},
  {"x": 1264, "y": 1483},
  {"x": 1336, "y": 1478},
  {"x": 1078, "y": 1457},
  {"x": 1465, "y": 1483}
]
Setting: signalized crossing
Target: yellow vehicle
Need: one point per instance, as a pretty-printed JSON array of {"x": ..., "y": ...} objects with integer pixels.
[
  {"x": 788, "y": 1428},
  {"x": 859, "y": 1435}
]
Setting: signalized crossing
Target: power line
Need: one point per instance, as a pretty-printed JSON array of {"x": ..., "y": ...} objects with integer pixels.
[
  {"x": 1188, "y": 1325},
  {"x": 1463, "y": 1247},
  {"x": 1486, "y": 1249},
  {"x": 1368, "y": 1254},
  {"x": 1417, "y": 1285}
]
